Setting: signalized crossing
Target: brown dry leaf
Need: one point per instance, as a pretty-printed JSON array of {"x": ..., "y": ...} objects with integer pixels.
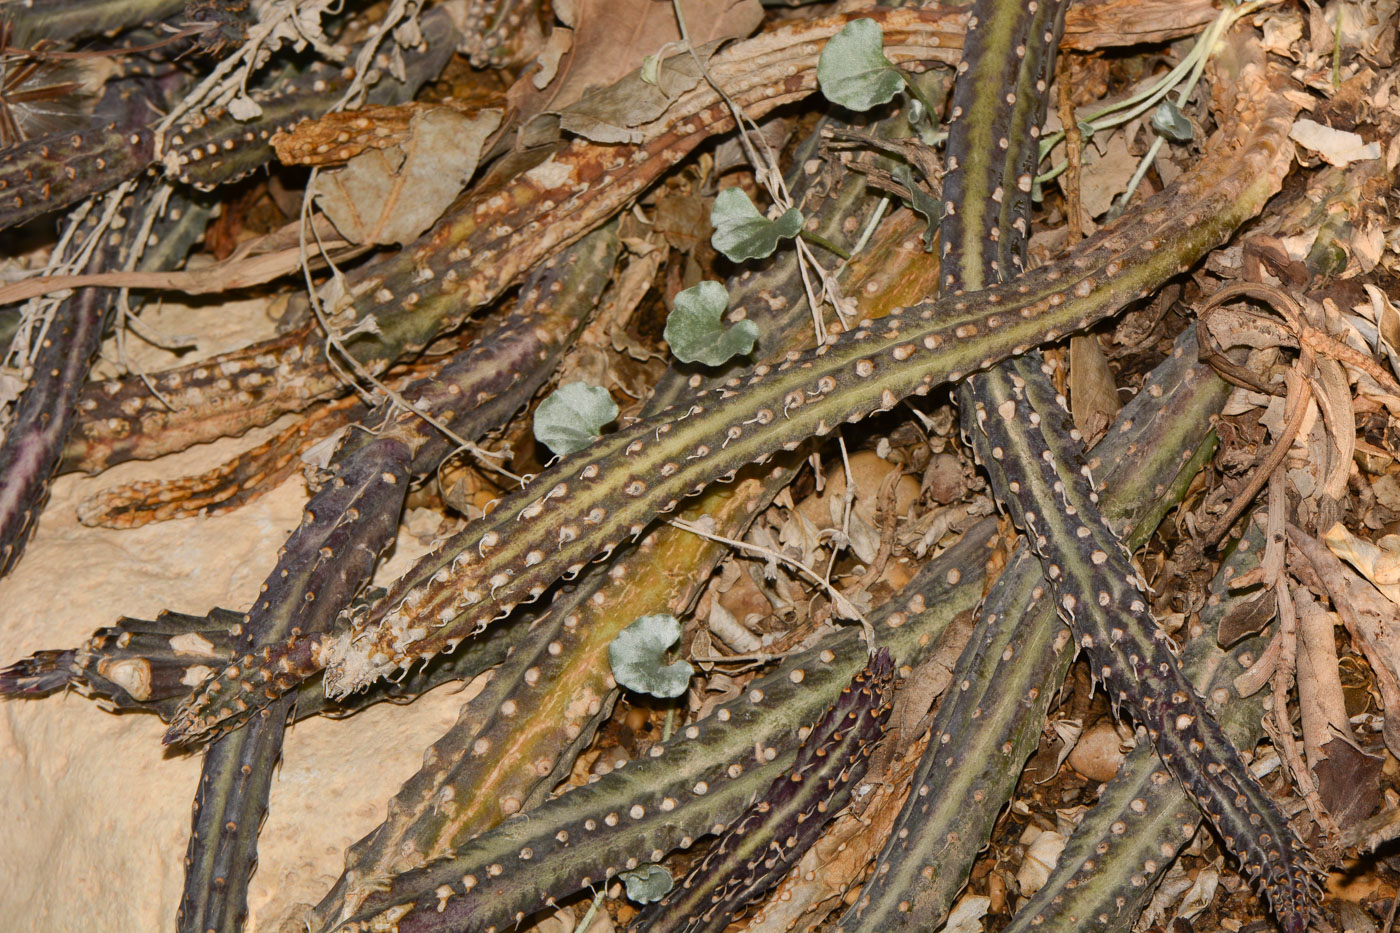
[
  {"x": 607, "y": 39},
  {"x": 611, "y": 114},
  {"x": 1339, "y": 147},
  {"x": 1247, "y": 617},
  {"x": 1320, "y": 698},
  {"x": 1093, "y": 393},
  {"x": 1106, "y": 175},
  {"x": 1373, "y": 622},
  {"x": 412, "y": 183},
  {"x": 1348, "y": 780}
]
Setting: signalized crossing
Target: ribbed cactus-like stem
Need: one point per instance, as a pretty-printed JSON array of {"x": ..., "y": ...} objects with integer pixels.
[
  {"x": 474, "y": 392},
  {"x": 786, "y": 818},
  {"x": 45, "y": 412},
  {"x": 561, "y": 671},
  {"x": 1128, "y": 839}
]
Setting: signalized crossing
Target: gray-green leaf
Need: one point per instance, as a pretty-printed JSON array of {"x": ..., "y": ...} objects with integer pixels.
[
  {"x": 853, "y": 70},
  {"x": 1169, "y": 121},
  {"x": 637, "y": 654},
  {"x": 572, "y": 417},
  {"x": 695, "y": 332},
  {"x": 647, "y": 883},
  {"x": 741, "y": 232}
]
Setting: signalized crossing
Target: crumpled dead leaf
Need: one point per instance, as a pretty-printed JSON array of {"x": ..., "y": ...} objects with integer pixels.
[
  {"x": 611, "y": 114},
  {"x": 599, "y": 42},
  {"x": 410, "y": 185},
  {"x": 1338, "y": 147},
  {"x": 1043, "y": 850},
  {"x": 1373, "y": 622}
]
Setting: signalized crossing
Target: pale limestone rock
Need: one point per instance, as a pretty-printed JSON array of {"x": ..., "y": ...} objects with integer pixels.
[{"x": 96, "y": 812}]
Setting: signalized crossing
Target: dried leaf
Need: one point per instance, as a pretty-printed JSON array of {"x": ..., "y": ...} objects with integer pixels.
[
  {"x": 611, "y": 114},
  {"x": 1200, "y": 895},
  {"x": 1348, "y": 780},
  {"x": 1247, "y": 617},
  {"x": 1042, "y": 855},
  {"x": 923, "y": 203},
  {"x": 407, "y": 186},
  {"x": 1339, "y": 147},
  {"x": 1093, "y": 393},
  {"x": 1106, "y": 176},
  {"x": 608, "y": 39}
]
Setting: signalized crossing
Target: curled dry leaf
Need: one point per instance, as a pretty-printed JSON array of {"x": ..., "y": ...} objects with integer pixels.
[
  {"x": 433, "y": 164},
  {"x": 601, "y": 41},
  {"x": 1370, "y": 619},
  {"x": 1339, "y": 147}
]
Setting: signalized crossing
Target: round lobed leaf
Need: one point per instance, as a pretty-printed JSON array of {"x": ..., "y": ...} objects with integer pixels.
[
  {"x": 638, "y": 656},
  {"x": 572, "y": 417},
  {"x": 697, "y": 335},
  {"x": 741, "y": 232},
  {"x": 1169, "y": 121},
  {"x": 853, "y": 70},
  {"x": 647, "y": 883}
]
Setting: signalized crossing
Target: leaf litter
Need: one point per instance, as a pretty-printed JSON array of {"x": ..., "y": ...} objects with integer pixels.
[{"x": 1324, "y": 449}]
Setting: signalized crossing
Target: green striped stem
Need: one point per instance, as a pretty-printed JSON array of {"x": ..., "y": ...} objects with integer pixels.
[
  {"x": 495, "y": 32},
  {"x": 57, "y": 20},
  {"x": 354, "y": 516},
  {"x": 45, "y": 174},
  {"x": 149, "y": 665},
  {"x": 44, "y": 414},
  {"x": 214, "y": 149},
  {"x": 1024, "y": 438},
  {"x": 1142, "y": 818},
  {"x": 243, "y": 478},
  {"x": 229, "y": 807},
  {"x": 1018, "y": 656},
  {"x": 1097, "y": 590},
  {"x": 332, "y": 555},
  {"x": 785, "y": 820},
  {"x": 695, "y": 784},
  {"x": 561, "y": 671},
  {"x": 592, "y": 501},
  {"x": 1142, "y": 453}
]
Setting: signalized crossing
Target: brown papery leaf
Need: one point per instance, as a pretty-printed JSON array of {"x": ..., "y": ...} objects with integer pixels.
[
  {"x": 1349, "y": 781},
  {"x": 611, "y": 38},
  {"x": 392, "y": 195},
  {"x": 1093, "y": 393}
]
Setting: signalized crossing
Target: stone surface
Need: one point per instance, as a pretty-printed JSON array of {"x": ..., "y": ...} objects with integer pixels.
[{"x": 96, "y": 812}]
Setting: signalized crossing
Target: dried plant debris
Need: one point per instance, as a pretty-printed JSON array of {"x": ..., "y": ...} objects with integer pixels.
[{"x": 670, "y": 362}]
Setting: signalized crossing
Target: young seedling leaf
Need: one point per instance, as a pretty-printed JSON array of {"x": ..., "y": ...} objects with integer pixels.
[
  {"x": 922, "y": 202},
  {"x": 572, "y": 417},
  {"x": 647, "y": 883},
  {"x": 1169, "y": 121},
  {"x": 853, "y": 70},
  {"x": 695, "y": 332},
  {"x": 741, "y": 232},
  {"x": 638, "y": 657}
]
